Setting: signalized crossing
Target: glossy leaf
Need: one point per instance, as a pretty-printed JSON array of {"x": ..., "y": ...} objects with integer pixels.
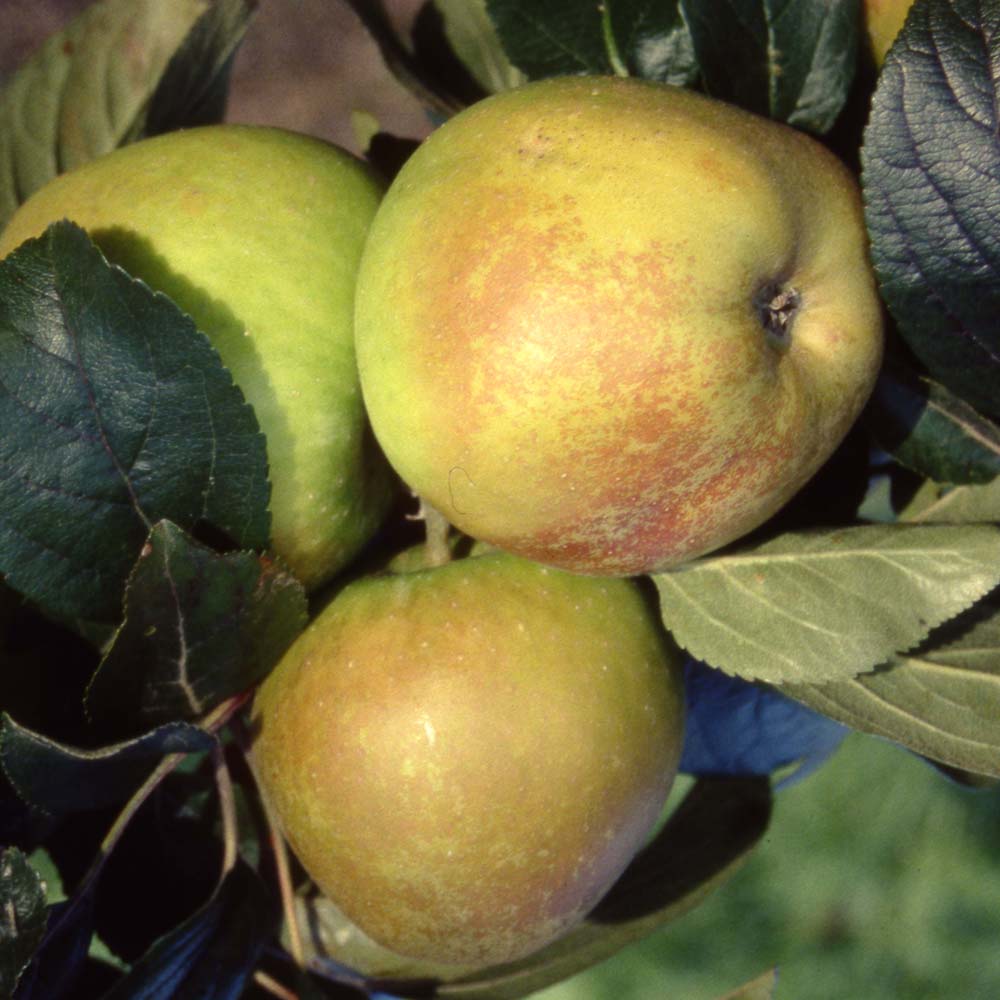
[
  {"x": 22, "y": 916},
  {"x": 826, "y": 605},
  {"x": 559, "y": 37},
  {"x": 942, "y": 700},
  {"x": 932, "y": 431},
  {"x": 116, "y": 412},
  {"x": 551, "y": 39},
  {"x": 93, "y": 85},
  {"x": 56, "y": 964},
  {"x": 199, "y": 627},
  {"x": 790, "y": 61},
  {"x": 734, "y": 727},
  {"x": 60, "y": 779},
  {"x": 653, "y": 40},
  {"x": 931, "y": 180}
]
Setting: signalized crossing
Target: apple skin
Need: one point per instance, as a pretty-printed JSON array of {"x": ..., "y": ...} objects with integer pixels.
[
  {"x": 256, "y": 232},
  {"x": 883, "y": 21},
  {"x": 465, "y": 758},
  {"x": 560, "y": 321}
]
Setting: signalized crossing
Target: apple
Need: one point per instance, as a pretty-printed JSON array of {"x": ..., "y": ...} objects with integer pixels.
[
  {"x": 256, "y": 232},
  {"x": 465, "y": 757},
  {"x": 611, "y": 325},
  {"x": 883, "y": 21}
]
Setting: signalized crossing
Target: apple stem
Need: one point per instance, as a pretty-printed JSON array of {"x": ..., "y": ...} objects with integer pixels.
[
  {"x": 437, "y": 551},
  {"x": 611, "y": 44}
]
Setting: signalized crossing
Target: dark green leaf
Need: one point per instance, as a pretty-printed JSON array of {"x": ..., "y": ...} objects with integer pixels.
[
  {"x": 558, "y": 37},
  {"x": 120, "y": 66},
  {"x": 61, "y": 779},
  {"x": 212, "y": 955},
  {"x": 116, "y": 413},
  {"x": 653, "y": 40},
  {"x": 932, "y": 431},
  {"x": 931, "y": 179},
  {"x": 826, "y": 605},
  {"x": 706, "y": 838},
  {"x": 199, "y": 627},
  {"x": 22, "y": 916},
  {"x": 194, "y": 87},
  {"x": 942, "y": 700},
  {"x": 790, "y": 61},
  {"x": 552, "y": 38}
]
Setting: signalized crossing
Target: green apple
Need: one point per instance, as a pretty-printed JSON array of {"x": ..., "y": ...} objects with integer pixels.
[
  {"x": 465, "y": 757},
  {"x": 611, "y": 325},
  {"x": 256, "y": 232},
  {"x": 883, "y": 22}
]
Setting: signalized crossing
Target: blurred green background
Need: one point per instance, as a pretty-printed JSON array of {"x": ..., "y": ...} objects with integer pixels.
[{"x": 878, "y": 879}]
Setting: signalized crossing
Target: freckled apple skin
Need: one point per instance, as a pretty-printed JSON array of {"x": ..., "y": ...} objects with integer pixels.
[
  {"x": 256, "y": 232},
  {"x": 558, "y": 329},
  {"x": 465, "y": 758}
]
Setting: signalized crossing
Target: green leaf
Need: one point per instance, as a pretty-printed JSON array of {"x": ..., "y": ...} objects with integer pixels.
[
  {"x": 213, "y": 953},
  {"x": 653, "y": 40},
  {"x": 199, "y": 627},
  {"x": 934, "y": 504},
  {"x": 704, "y": 841},
  {"x": 121, "y": 69},
  {"x": 23, "y": 916},
  {"x": 116, "y": 413},
  {"x": 552, "y": 38},
  {"x": 471, "y": 34},
  {"x": 794, "y": 62},
  {"x": 826, "y": 605},
  {"x": 194, "y": 87},
  {"x": 942, "y": 700},
  {"x": 557, "y": 37},
  {"x": 931, "y": 181},
  {"x": 60, "y": 779},
  {"x": 930, "y": 430}
]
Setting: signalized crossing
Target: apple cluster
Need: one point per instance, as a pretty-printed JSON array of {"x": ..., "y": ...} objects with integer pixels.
[{"x": 602, "y": 326}]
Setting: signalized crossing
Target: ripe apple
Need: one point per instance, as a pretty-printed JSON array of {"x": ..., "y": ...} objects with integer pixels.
[
  {"x": 465, "y": 757},
  {"x": 883, "y": 21},
  {"x": 256, "y": 232},
  {"x": 611, "y": 325}
]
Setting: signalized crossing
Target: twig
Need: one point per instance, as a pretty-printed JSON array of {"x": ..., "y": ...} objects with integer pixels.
[
  {"x": 283, "y": 868},
  {"x": 227, "y": 808},
  {"x": 272, "y": 986},
  {"x": 212, "y": 723}
]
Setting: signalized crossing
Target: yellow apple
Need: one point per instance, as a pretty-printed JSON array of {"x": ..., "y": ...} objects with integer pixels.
[
  {"x": 883, "y": 22},
  {"x": 611, "y": 325},
  {"x": 256, "y": 232},
  {"x": 464, "y": 758}
]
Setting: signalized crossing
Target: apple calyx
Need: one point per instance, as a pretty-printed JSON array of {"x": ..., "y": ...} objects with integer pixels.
[{"x": 777, "y": 306}]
